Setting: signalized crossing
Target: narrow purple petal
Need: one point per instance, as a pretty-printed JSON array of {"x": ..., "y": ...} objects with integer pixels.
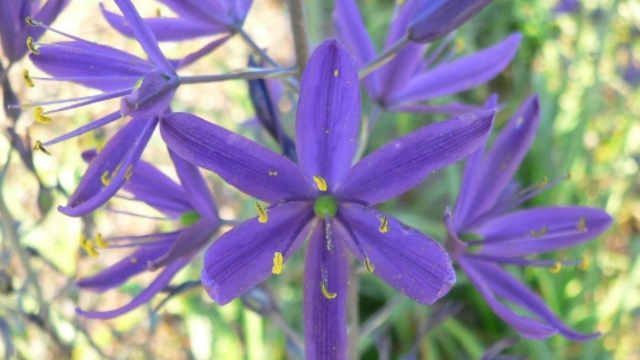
[
  {"x": 468, "y": 189},
  {"x": 121, "y": 152},
  {"x": 211, "y": 11},
  {"x": 242, "y": 163},
  {"x": 541, "y": 230},
  {"x": 145, "y": 296},
  {"x": 243, "y": 257},
  {"x": 195, "y": 187},
  {"x": 325, "y": 318},
  {"x": 196, "y": 55},
  {"x": 405, "y": 258},
  {"x": 459, "y": 75},
  {"x": 150, "y": 98},
  {"x": 13, "y": 44},
  {"x": 436, "y": 18},
  {"x": 328, "y": 115},
  {"x": 116, "y": 274},
  {"x": 527, "y": 327},
  {"x": 403, "y": 163}
]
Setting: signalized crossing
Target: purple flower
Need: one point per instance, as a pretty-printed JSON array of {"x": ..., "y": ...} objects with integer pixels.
[
  {"x": 567, "y": 7},
  {"x": 14, "y": 30},
  {"x": 326, "y": 200},
  {"x": 406, "y": 81},
  {"x": 196, "y": 18},
  {"x": 190, "y": 202},
  {"x": 487, "y": 196}
]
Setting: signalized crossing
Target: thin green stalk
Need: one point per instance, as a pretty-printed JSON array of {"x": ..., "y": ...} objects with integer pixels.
[
  {"x": 243, "y": 75},
  {"x": 300, "y": 36},
  {"x": 384, "y": 57},
  {"x": 367, "y": 130}
]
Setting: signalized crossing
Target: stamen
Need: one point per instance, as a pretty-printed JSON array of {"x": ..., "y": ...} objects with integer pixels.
[
  {"x": 31, "y": 22},
  {"x": 556, "y": 268},
  {"x": 38, "y": 146},
  {"x": 544, "y": 183},
  {"x": 278, "y": 260},
  {"x": 41, "y": 118},
  {"x": 582, "y": 225},
  {"x": 539, "y": 233},
  {"x": 105, "y": 178},
  {"x": 83, "y": 240},
  {"x": 369, "y": 265},
  {"x": 384, "y": 225},
  {"x": 27, "y": 78},
  {"x": 320, "y": 183},
  {"x": 31, "y": 46},
  {"x": 584, "y": 264},
  {"x": 325, "y": 291},
  {"x": 262, "y": 215},
  {"x": 336, "y": 72},
  {"x": 158, "y": 13},
  {"x": 90, "y": 248},
  {"x": 100, "y": 241},
  {"x": 129, "y": 172}
]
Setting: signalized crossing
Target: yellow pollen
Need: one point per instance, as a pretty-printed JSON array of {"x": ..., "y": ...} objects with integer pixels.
[
  {"x": 31, "y": 22},
  {"x": 539, "y": 233},
  {"x": 105, "y": 178},
  {"x": 38, "y": 146},
  {"x": 134, "y": 260},
  {"x": 400, "y": 2},
  {"x": 90, "y": 248},
  {"x": 325, "y": 291},
  {"x": 336, "y": 72},
  {"x": 83, "y": 240},
  {"x": 27, "y": 78},
  {"x": 544, "y": 182},
  {"x": 158, "y": 13},
  {"x": 100, "y": 242},
  {"x": 278, "y": 260},
  {"x": 100, "y": 145},
  {"x": 556, "y": 268},
  {"x": 129, "y": 172},
  {"x": 41, "y": 118},
  {"x": 320, "y": 183},
  {"x": 369, "y": 265},
  {"x": 31, "y": 46},
  {"x": 384, "y": 225},
  {"x": 584, "y": 264},
  {"x": 582, "y": 225},
  {"x": 138, "y": 84},
  {"x": 273, "y": 173},
  {"x": 262, "y": 214}
]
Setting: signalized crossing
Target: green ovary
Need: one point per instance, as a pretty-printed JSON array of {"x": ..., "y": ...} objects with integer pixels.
[{"x": 325, "y": 204}]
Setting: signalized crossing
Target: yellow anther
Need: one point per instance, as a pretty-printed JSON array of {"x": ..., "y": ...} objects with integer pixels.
[
  {"x": 158, "y": 13},
  {"x": 369, "y": 265},
  {"x": 31, "y": 46},
  {"x": 320, "y": 183},
  {"x": 384, "y": 225},
  {"x": 336, "y": 72},
  {"x": 100, "y": 145},
  {"x": 38, "y": 146},
  {"x": 41, "y": 118},
  {"x": 30, "y": 21},
  {"x": 325, "y": 291},
  {"x": 544, "y": 182},
  {"x": 27, "y": 78},
  {"x": 278, "y": 260},
  {"x": 556, "y": 268},
  {"x": 105, "y": 178},
  {"x": 582, "y": 225},
  {"x": 138, "y": 84},
  {"x": 400, "y": 2},
  {"x": 539, "y": 233},
  {"x": 90, "y": 248},
  {"x": 129, "y": 172},
  {"x": 83, "y": 240},
  {"x": 459, "y": 45},
  {"x": 134, "y": 260},
  {"x": 262, "y": 214},
  {"x": 584, "y": 264},
  {"x": 100, "y": 242}
]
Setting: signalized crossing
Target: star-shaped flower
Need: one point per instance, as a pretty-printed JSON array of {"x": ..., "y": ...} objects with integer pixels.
[
  {"x": 326, "y": 200},
  {"x": 484, "y": 208}
]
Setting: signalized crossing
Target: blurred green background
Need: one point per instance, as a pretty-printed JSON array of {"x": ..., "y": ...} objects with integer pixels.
[{"x": 581, "y": 65}]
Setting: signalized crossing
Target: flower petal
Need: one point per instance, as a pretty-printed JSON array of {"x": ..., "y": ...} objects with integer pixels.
[
  {"x": 242, "y": 163},
  {"x": 403, "y": 163},
  {"x": 194, "y": 186},
  {"x": 145, "y": 296},
  {"x": 151, "y": 97},
  {"x": 328, "y": 115},
  {"x": 210, "y": 11},
  {"x": 459, "y": 75},
  {"x": 121, "y": 152},
  {"x": 452, "y": 108},
  {"x": 243, "y": 257},
  {"x": 541, "y": 230},
  {"x": 326, "y": 273},
  {"x": 405, "y": 258},
  {"x": 527, "y": 327}
]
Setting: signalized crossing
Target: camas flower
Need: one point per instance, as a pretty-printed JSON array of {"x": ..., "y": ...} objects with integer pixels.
[
  {"x": 326, "y": 200},
  {"x": 406, "y": 81},
  {"x": 190, "y": 202},
  {"x": 484, "y": 206}
]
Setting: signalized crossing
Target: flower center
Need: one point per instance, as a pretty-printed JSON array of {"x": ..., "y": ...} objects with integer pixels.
[{"x": 325, "y": 204}]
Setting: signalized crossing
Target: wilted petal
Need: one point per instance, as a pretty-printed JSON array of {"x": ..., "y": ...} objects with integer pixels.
[
  {"x": 326, "y": 273},
  {"x": 403, "y": 163},
  {"x": 250, "y": 167},
  {"x": 328, "y": 115},
  {"x": 145, "y": 296},
  {"x": 405, "y": 258},
  {"x": 194, "y": 186},
  {"x": 243, "y": 257},
  {"x": 436, "y": 18},
  {"x": 151, "y": 97},
  {"x": 540, "y": 230},
  {"x": 485, "y": 283},
  {"x": 459, "y": 75},
  {"x": 112, "y": 164}
]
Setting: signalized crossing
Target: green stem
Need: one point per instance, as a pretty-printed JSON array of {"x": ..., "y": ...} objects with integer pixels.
[
  {"x": 383, "y": 58},
  {"x": 299, "y": 30},
  {"x": 245, "y": 75},
  {"x": 367, "y": 129}
]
